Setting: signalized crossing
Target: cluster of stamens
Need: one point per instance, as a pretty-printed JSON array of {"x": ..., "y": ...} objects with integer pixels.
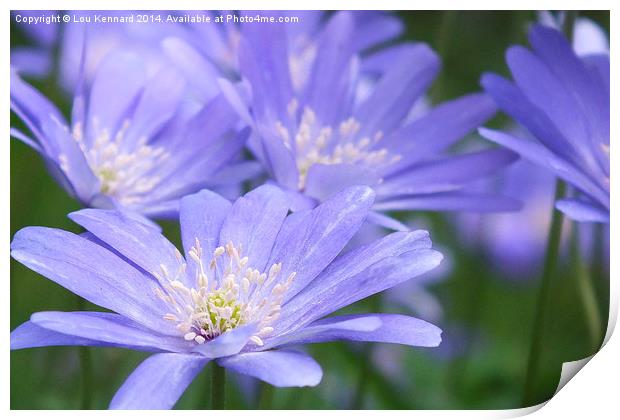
[
  {"x": 316, "y": 144},
  {"x": 228, "y": 293},
  {"x": 124, "y": 172}
]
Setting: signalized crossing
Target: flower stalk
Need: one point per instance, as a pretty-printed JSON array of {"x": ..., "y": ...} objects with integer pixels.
[
  {"x": 540, "y": 317},
  {"x": 218, "y": 387}
]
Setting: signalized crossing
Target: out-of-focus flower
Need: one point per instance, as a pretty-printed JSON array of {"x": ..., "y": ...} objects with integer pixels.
[
  {"x": 219, "y": 43},
  {"x": 254, "y": 281},
  {"x": 588, "y": 37},
  {"x": 563, "y": 100},
  {"x": 36, "y": 60},
  {"x": 320, "y": 140},
  {"x": 134, "y": 141}
]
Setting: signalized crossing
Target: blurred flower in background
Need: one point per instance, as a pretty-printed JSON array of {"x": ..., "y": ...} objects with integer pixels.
[
  {"x": 135, "y": 141},
  {"x": 317, "y": 142},
  {"x": 569, "y": 117}
]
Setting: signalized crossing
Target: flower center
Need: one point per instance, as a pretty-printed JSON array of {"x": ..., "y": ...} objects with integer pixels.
[
  {"x": 124, "y": 171},
  {"x": 228, "y": 293},
  {"x": 313, "y": 144}
]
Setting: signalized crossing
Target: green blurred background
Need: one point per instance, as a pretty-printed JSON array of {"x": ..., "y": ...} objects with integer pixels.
[{"x": 486, "y": 369}]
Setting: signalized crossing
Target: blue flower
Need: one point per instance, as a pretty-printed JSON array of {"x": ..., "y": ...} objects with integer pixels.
[
  {"x": 563, "y": 100},
  {"x": 326, "y": 137},
  {"x": 135, "y": 141},
  {"x": 253, "y": 282}
]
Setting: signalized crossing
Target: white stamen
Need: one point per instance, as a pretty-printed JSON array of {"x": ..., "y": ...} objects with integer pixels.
[
  {"x": 316, "y": 144},
  {"x": 123, "y": 169},
  {"x": 237, "y": 295}
]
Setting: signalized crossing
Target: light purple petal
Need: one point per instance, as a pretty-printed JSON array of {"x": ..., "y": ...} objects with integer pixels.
[
  {"x": 328, "y": 92},
  {"x": 446, "y": 174},
  {"x": 382, "y": 328},
  {"x": 140, "y": 243},
  {"x": 108, "y": 328},
  {"x": 310, "y": 240},
  {"x": 91, "y": 271},
  {"x": 202, "y": 216},
  {"x": 543, "y": 157},
  {"x": 29, "y": 335},
  {"x": 397, "y": 91},
  {"x": 583, "y": 211},
  {"x": 451, "y": 201},
  {"x": 439, "y": 128},
  {"x": 253, "y": 223},
  {"x": 279, "y": 368},
  {"x": 324, "y": 181},
  {"x": 119, "y": 80},
  {"x": 158, "y": 382},
  {"x": 360, "y": 273}
]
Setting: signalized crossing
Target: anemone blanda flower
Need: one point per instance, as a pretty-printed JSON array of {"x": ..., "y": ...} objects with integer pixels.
[
  {"x": 218, "y": 44},
  {"x": 563, "y": 100},
  {"x": 322, "y": 139},
  {"x": 135, "y": 142},
  {"x": 253, "y": 282}
]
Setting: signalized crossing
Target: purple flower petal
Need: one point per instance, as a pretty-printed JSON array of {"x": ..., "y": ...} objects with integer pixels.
[
  {"x": 331, "y": 72},
  {"x": 395, "y": 93},
  {"x": 29, "y": 335},
  {"x": 279, "y": 368},
  {"x": 310, "y": 240},
  {"x": 158, "y": 382},
  {"x": 439, "y": 128},
  {"x": 382, "y": 328},
  {"x": 92, "y": 272},
  {"x": 451, "y": 201},
  {"x": 253, "y": 223},
  {"x": 360, "y": 273},
  {"x": 140, "y": 243},
  {"x": 324, "y": 181},
  {"x": 119, "y": 80},
  {"x": 111, "y": 329},
  {"x": 583, "y": 211},
  {"x": 446, "y": 174}
]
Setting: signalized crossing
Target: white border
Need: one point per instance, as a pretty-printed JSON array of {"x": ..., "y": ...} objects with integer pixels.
[{"x": 595, "y": 389}]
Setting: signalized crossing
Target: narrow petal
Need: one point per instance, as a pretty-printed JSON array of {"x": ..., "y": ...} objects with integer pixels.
[
  {"x": 158, "y": 382},
  {"x": 30, "y": 335},
  {"x": 381, "y": 328},
  {"x": 439, "y": 128},
  {"x": 328, "y": 92},
  {"x": 202, "y": 217},
  {"x": 360, "y": 273},
  {"x": 398, "y": 89},
  {"x": 281, "y": 368},
  {"x": 310, "y": 240},
  {"x": 324, "y": 181},
  {"x": 111, "y": 329},
  {"x": 91, "y": 271},
  {"x": 446, "y": 174},
  {"x": 583, "y": 211},
  {"x": 543, "y": 157},
  {"x": 118, "y": 82},
  {"x": 451, "y": 201},
  {"x": 254, "y": 221},
  {"x": 140, "y": 243}
]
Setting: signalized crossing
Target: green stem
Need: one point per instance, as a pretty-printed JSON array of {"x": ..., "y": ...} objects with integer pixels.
[
  {"x": 569, "y": 24},
  {"x": 86, "y": 368},
  {"x": 218, "y": 387},
  {"x": 448, "y": 19},
  {"x": 540, "y": 317},
  {"x": 586, "y": 292},
  {"x": 365, "y": 360},
  {"x": 265, "y": 398}
]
